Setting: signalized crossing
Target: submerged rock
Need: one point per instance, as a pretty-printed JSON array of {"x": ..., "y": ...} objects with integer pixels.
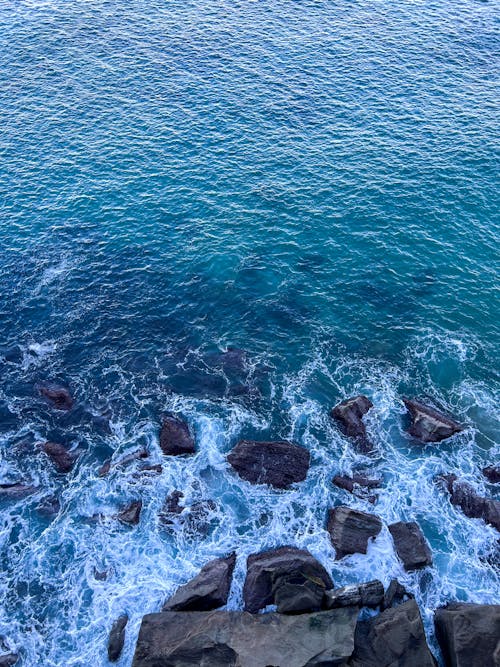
[
  {"x": 278, "y": 464},
  {"x": 428, "y": 424},
  {"x": 62, "y": 459},
  {"x": 171, "y": 507},
  {"x": 49, "y": 506},
  {"x": 58, "y": 395},
  {"x": 17, "y": 490},
  {"x": 492, "y": 474},
  {"x": 239, "y": 639},
  {"x": 349, "y": 416},
  {"x": 117, "y": 638},
  {"x": 131, "y": 513},
  {"x": 8, "y": 659},
  {"x": 359, "y": 485},
  {"x": 471, "y": 503},
  {"x": 175, "y": 438},
  {"x": 351, "y": 529},
  {"x": 286, "y": 576},
  {"x": 411, "y": 545},
  {"x": 370, "y": 594},
  {"x": 141, "y": 453},
  {"x": 395, "y": 594},
  {"x": 208, "y": 590},
  {"x": 395, "y": 637},
  {"x": 469, "y": 634}
]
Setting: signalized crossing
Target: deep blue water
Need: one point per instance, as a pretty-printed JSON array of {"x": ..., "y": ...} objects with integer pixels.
[{"x": 315, "y": 183}]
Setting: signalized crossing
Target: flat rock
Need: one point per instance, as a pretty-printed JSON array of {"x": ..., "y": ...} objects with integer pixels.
[
  {"x": 470, "y": 502},
  {"x": 428, "y": 424},
  {"x": 411, "y": 545},
  {"x": 62, "y": 459},
  {"x": 208, "y": 590},
  {"x": 17, "y": 490},
  {"x": 131, "y": 513},
  {"x": 469, "y": 634},
  {"x": 278, "y": 464},
  {"x": 370, "y": 594},
  {"x": 351, "y": 529},
  {"x": 349, "y": 416},
  {"x": 117, "y": 638},
  {"x": 492, "y": 474},
  {"x": 240, "y": 639},
  {"x": 394, "y": 638},
  {"x": 270, "y": 571},
  {"x": 175, "y": 437},
  {"x": 58, "y": 396}
]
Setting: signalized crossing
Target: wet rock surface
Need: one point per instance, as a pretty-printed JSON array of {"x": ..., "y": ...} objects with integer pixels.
[
  {"x": 349, "y": 416},
  {"x": 175, "y": 437},
  {"x": 208, "y": 590},
  {"x": 411, "y": 545},
  {"x": 278, "y": 464},
  {"x": 492, "y": 474},
  {"x": 62, "y": 459},
  {"x": 9, "y": 659},
  {"x": 130, "y": 514},
  {"x": 17, "y": 490},
  {"x": 474, "y": 506},
  {"x": 395, "y": 594},
  {"x": 370, "y": 594},
  {"x": 58, "y": 396},
  {"x": 428, "y": 424},
  {"x": 350, "y": 530},
  {"x": 117, "y": 638},
  {"x": 359, "y": 485}
]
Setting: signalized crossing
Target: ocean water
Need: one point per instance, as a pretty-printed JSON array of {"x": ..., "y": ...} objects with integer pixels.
[{"x": 312, "y": 183}]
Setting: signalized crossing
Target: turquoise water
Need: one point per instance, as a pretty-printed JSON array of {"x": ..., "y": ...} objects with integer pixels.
[{"x": 312, "y": 182}]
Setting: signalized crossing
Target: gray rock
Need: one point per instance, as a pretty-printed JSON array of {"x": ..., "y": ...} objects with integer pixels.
[
  {"x": 469, "y": 634},
  {"x": 471, "y": 503},
  {"x": 349, "y": 416},
  {"x": 370, "y": 594},
  {"x": 395, "y": 594},
  {"x": 175, "y": 438},
  {"x": 290, "y": 566},
  {"x": 62, "y": 459},
  {"x": 122, "y": 461},
  {"x": 411, "y": 545},
  {"x": 351, "y": 529},
  {"x": 208, "y": 590},
  {"x": 239, "y": 639},
  {"x": 359, "y": 485},
  {"x": 117, "y": 638},
  {"x": 131, "y": 513},
  {"x": 394, "y": 638},
  {"x": 428, "y": 424},
  {"x": 279, "y": 464},
  {"x": 59, "y": 396}
]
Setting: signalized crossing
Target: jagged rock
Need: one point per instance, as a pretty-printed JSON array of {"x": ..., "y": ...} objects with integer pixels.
[
  {"x": 62, "y": 459},
  {"x": 279, "y": 464},
  {"x": 351, "y": 529},
  {"x": 469, "y": 634},
  {"x": 131, "y": 513},
  {"x": 492, "y": 474},
  {"x": 411, "y": 545},
  {"x": 117, "y": 638},
  {"x": 358, "y": 485},
  {"x": 428, "y": 424},
  {"x": 171, "y": 507},
  {"x": 286, "y": 566},
  {"x": 17, "y": 490},
  {"x": 100, "y": 575},
  {"x": 471, "y": 503},
  {"x": 239, "y": 639},
  {"x": 370, "y": 594},
  {"x": 208, "y": 590},
  {"x": 8, "y": 660},
  {"x": 395, "y": 594},
  {"x": 394, "y": 638},
  {"x": 59, "y": 396},
  {"x": 175, "y": 438},
  {"x": 349, "y": 416}
]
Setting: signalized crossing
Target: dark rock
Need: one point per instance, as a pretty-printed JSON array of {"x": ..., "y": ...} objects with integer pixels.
[
  {"x": 469, "y": 634},
  {"x": 17, "y": 490},
  {"x": 429, "y": 425},
  {"x": 131, "y": 513},
  {"x": 171, "y": 507},
  {"x": 105, "y": 468},
  {"x": 358, "y": 485},
  {"x": 394, "y": 638},
  {"x": 239, "y": 639},
  {"x": 49, "y": 506},
  {"x": 411, "y": 545},
  {"x": 14, "y": 354},
  {"x": 471, "y": 503},
  {"x": 395, "y": 594},
  {"x": 62, "y": 459},
  {"x": 100, "y": 575},
  {"x": 122, "y": 461},
  {"x": 59, "y": 396},
  {"x": 351, "y": 529},
  {"x": 8, "y": 659},
  {"x": 349, "y": 416},
  {"x": 492, "y": 474},
  {"x": 117, "y": 638},
  {"x": 370, "y": 594},
  {"x": 155, "y": 469},
  {"x": 295, "y": 593},
  {"x": 175, "y": 438},
  {"x": 268, "y": 570},
  {"x": 279, "y": 464},
  {"x": 208, "y": 590}
]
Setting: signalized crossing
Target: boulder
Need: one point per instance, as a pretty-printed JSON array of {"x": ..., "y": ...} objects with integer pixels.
[
  {"x": 175, "y": 438},
  {"x": 62, "y": 459},
  {"x": 370, "y": 594},
  {"x": 411, "y": 545},
  {"x": 394, "y": 638},
  {"x": 8, "y": 659},
  {"x": 295, "y": 569},
  {"x": 492, "y": 474},
  {"x": 131, "y": 513},
  {"x": 117, "y": 638},
  {"x": 395, "y": 594},
  {"x": 469, "y": 634},
  {"x": 239, "y": 639},
  {"x": 17, "y": 490},
  {"x": 471, "y": 503},
  {"x": 351, "y": 529},
  {"x": 278, "y": 464},
  {"x": 59, "y": 396},
  {"x": 359, "y": 485},
  {"x": 208, "y": 590},
  {"x": 349, "y": 416},
  {"x": 428, "y": 424}
]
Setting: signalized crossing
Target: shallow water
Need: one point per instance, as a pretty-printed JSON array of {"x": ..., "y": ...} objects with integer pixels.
[{"x": 313, "y": 183}]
